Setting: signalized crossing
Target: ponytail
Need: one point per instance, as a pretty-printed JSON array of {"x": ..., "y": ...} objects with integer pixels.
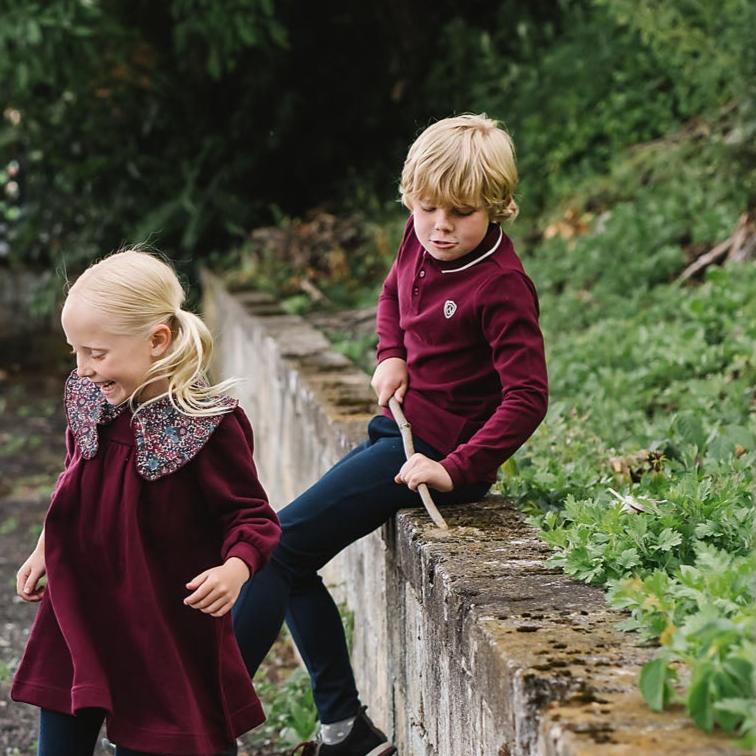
[
  {"x": 186, "y": 369},
  {"x": 140, "y": 291}
]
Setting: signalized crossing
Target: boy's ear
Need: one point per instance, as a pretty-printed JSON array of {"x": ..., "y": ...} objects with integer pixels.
[{"x": 160, "y": 339}]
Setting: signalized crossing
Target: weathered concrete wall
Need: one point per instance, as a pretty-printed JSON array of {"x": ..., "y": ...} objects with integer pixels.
[{"x": 465, "y": 644}]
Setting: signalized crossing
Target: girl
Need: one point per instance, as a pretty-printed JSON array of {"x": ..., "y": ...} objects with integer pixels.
[{"x": 155, "y": 523}]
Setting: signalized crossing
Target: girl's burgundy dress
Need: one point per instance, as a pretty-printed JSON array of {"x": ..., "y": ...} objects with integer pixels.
[{"x": 141, "y": 508}]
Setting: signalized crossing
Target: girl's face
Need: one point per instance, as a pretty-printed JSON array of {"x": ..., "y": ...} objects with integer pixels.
[
  {"x": 117, "y": 364},
  {"x": 449, "y": 233}
]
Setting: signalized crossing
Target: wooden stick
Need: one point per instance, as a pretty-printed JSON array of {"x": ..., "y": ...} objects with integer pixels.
[{"x": 409, "y": 450}]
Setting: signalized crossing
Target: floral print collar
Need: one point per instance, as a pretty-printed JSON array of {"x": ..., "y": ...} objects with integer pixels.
[{"x": 166, "y": 439}]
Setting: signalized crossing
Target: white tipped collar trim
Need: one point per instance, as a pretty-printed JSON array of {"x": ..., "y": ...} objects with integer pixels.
[{"x": 478, "y": 259}]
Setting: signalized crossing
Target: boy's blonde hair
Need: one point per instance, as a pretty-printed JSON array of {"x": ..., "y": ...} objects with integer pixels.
[
  {"x": 466, "y": 161},
  {"x": 139, "y": 291}
]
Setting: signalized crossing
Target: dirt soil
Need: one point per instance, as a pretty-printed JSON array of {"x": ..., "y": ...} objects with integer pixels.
[{"x": 32, "y": 450}]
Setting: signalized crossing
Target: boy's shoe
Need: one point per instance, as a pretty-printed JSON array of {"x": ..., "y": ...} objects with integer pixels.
[{"x": 365, "y": 739}]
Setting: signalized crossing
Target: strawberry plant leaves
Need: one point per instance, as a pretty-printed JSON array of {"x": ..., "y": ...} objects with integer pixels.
[{"x": 655, "y": 683}]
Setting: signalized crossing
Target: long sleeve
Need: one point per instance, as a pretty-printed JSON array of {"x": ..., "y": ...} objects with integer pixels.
[
  {"x": 228, "y": 478},
  {"x": 71, "y": 453},
  {"x": 390, "y": 335},
  {"x": 388, "y": 327},
  {"x": 509, "y": 321}
]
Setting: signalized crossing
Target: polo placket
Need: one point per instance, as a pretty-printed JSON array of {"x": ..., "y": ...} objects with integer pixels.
[{"x": 418, "y": 281}]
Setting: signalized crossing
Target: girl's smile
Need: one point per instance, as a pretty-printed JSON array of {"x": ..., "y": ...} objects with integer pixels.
[{"x": 118, "y": 364}]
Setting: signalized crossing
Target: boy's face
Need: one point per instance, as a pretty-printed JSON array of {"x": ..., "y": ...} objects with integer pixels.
[{"x": 449, "y": 232}]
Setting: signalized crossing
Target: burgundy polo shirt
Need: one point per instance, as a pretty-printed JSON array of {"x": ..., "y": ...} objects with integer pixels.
[{"x": 469, "y": 332}]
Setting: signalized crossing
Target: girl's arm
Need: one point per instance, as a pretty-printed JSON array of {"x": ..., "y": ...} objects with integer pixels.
[
  {"x": 31, "y": 572},
  {"x": 214, "y": 591},
  {"x": 33, "y": 569},
  {"x": 228, "y": 478}
]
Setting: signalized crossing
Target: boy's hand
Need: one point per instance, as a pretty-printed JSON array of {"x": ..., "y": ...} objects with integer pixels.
[
  {"x": 390, "y": 379},
  {"x": 28, "y": 577},
  {"x": 216, "y": 589},
  {"x": 421, "y": 469}
]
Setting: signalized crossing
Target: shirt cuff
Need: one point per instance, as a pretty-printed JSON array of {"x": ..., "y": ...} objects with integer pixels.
[
  {"x": 248, "y": 554},
  {"x": 455, "y": 472},
  {"x": 384, "y": 354}
]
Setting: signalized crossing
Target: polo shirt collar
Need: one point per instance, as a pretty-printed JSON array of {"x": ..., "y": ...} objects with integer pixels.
[{"x": 491, "y": 242}]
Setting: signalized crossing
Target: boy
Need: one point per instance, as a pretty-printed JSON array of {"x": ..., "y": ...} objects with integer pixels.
[{"x": 460, "y": 347}]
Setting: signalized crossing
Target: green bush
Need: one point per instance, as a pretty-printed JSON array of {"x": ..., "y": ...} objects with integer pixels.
[
  {"x": 189, "y": 122},
  {"x": 96, "y": 118},
  {"x": 580, "y": 86},
  {"x": 642, "y": 475}
]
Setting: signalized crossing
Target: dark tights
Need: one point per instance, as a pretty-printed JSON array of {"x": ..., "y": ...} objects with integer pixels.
[{"x": 66, "y": 735}]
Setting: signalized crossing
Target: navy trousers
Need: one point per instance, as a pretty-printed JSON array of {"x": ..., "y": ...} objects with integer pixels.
[
  {"x": 67, "y": 735},
  {"x": 352, "y": 499},
  {"x": 76, "y": 735}
]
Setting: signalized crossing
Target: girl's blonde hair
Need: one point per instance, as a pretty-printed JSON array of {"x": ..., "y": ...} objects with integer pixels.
[
  {"x": 466, "y": 161},
  {"x": 140, "y": 291}
]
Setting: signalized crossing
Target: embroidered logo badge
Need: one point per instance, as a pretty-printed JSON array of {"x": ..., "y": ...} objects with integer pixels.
[{"x": 450, "y": 307}]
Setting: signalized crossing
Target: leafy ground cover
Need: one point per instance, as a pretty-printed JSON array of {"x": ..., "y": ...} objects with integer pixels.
[
  {"x": 642, "y": 475},
  {"x": 649, "y": 444}
]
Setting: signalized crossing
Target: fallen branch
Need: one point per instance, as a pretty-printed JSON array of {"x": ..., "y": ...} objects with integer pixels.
[
  {"x": 739, "y": 246},
  {"x": 744, "y": 246},
  {"x": 705, "y": 260},
  {"x": 409, "y": 450}
]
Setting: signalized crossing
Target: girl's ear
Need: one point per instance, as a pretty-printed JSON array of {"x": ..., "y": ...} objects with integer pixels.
[{"x": 160, "y": 340}]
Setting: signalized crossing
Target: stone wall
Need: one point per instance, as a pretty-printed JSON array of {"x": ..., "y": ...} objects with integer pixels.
[{"x": 465, "y": 643}]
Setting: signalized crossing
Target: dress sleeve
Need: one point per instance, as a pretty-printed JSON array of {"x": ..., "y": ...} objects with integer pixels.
[
  {"x": 71, "y": 453},
  {"x": 228, "y": 478},
  {"x": 390, "y": 334},
  {"x": 509, "y": 321}
]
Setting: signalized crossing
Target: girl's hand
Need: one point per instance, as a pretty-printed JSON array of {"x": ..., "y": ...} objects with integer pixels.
[
  {"x": 390, "y": 379},
  {"x": 216, "y": 589},
  {"x": 421, "y": 469},
  {"x": 28, "y": 577}
]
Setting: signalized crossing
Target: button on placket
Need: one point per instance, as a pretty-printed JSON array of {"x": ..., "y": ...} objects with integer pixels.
[{"x": 416, "y": 288}]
